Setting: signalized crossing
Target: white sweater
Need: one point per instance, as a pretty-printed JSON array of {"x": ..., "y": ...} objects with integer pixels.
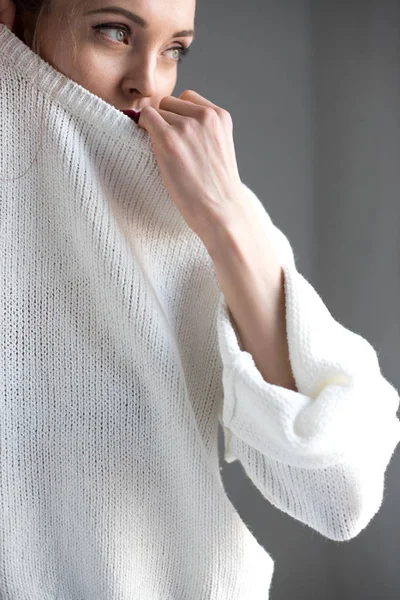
[{"x": 118, "y": 361}]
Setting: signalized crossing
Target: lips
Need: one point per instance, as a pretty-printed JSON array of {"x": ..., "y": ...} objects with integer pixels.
[{"x": 132, "y": 114}]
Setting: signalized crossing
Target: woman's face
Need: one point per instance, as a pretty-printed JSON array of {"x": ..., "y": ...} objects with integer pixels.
[{"x": 127, "y": 63}]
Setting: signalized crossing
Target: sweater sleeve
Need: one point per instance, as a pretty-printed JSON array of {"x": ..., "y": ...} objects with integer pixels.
[{"x": 319, "y": 454}]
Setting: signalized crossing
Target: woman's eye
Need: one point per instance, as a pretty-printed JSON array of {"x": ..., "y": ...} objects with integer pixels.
[
  {"x": 119, "y": 28},
  {"x": 180, "y": 50}
]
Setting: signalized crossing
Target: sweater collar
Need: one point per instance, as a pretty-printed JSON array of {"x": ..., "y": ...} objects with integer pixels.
[{"x": 74, "y": 98}]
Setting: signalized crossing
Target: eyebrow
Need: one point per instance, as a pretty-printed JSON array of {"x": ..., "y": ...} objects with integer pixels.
[{"x": 138, "y": 20}]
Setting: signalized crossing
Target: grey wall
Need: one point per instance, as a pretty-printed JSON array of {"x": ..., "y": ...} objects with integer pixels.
[{"x": 314, "y": 91}]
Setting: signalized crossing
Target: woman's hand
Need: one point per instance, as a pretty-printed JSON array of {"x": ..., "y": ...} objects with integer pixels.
[
  {"x": 192, "y": 140},
  {"x": 7, "y": 13}
]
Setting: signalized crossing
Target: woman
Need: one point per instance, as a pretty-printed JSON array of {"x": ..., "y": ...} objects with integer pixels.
[{"x": 148, "y": 296}]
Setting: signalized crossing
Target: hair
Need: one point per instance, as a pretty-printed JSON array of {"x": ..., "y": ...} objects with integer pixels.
[
  {"x": 30, "y": 13},
  {"x": 36, "y": 10}
]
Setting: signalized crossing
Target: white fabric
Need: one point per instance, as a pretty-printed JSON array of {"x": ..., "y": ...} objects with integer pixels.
[{"x": 118, "y": 360}]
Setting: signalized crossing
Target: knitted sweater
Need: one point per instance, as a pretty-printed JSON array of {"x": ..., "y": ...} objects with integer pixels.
[{"x": 119, "y": 360}]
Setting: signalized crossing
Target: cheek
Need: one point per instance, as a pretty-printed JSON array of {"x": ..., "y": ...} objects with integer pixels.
[
  {"x": 57, "y": 51},
  {"x": 97, "y": 75},
  {"x": 86, "y": 67}
]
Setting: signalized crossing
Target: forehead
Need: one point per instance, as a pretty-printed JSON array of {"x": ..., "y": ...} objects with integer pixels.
[{"x": 150, "y": 10}]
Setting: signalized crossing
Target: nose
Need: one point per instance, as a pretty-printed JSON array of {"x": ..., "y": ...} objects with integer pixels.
[{"x": 141, "y": 77}]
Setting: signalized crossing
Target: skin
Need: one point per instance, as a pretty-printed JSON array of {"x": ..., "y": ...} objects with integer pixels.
[
  {"x": 7, "y": 13},
  {"x": 128, "y": 71}
]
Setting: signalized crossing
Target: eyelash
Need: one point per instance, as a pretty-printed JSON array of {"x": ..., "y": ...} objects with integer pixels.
[{"x": 184, "y": 50}]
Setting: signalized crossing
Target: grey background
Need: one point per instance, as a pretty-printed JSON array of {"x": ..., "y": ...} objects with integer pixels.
[{"x": 314, "y": 91}]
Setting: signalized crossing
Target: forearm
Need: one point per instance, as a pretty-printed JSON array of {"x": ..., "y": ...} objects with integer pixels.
[{"x": 252, "y": 282}]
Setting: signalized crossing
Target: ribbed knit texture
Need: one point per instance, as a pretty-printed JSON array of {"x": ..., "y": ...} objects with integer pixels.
[{"x": 118, "y": 360}]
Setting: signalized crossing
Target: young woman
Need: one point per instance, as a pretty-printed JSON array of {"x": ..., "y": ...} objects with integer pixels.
[{"x": 146, "y": 297}]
